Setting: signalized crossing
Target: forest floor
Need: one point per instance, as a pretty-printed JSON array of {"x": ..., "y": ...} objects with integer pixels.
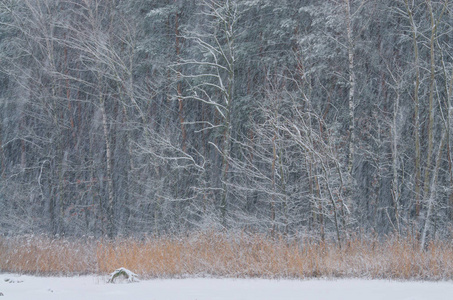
[
  {"x": 27, "y": 287},
  {"x": 222, "y": 255}
]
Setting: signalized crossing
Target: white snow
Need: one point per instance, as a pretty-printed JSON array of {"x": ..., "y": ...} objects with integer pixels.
[{"x": 96, "y": 288}]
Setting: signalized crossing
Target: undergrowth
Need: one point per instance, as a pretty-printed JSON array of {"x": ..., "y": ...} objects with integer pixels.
[{"x": 237, "y": 255}]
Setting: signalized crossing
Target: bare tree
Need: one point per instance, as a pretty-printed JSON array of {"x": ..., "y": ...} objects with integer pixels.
[{"x": 212, "y": 78}]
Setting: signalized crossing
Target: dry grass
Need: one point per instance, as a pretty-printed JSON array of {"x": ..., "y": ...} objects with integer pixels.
[
  {"x": 42, "y": 255},
  {"x": 230, "y": 256}
]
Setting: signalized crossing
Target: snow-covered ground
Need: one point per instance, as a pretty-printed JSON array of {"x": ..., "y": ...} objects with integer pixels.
[{"x": 94, "y": 287}]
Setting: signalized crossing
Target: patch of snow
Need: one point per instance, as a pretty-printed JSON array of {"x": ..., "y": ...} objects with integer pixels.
[{"x": 96, "y": 288}]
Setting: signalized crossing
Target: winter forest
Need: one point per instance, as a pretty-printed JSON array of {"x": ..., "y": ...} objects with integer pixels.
[{"x": 323, "y": 118}]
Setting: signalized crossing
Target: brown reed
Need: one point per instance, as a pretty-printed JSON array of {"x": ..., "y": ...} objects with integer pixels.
[{"x": 230, "y": 255}]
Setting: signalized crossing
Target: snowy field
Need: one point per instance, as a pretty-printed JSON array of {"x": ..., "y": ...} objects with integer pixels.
[{"x": 94, "y": 287}]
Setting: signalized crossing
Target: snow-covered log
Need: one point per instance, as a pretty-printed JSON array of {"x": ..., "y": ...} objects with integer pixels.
[{"x": 127, "y": 274}]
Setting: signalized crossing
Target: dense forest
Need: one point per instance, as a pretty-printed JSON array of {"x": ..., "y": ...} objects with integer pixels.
[{"x": 324, "y": 118}]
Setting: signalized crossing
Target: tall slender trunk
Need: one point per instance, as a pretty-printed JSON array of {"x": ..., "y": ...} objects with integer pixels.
[
  {"x": 108, "y": 153},
  {"x": 61, "y": 188},
  {"x": 416, "y": 108},
  {"x": 433, "y": 191},
  {"x": 23, "y": 155},
  {"x": 430, "y": 185},
  {"x": 426, "y": 184},
  {"x": 395, "y": 183},
  {"x": 228, "y": 98},
  {"x": 226, "y": 165},
  {"x": 283, "y": 189},
  {"x": 274, "y": 191},
  {"x": 352, "y": 83},
  {"x": 449, "y": 90},
  {"x": 179, "y": 85},
  {"x": 68, "y": 91},
  {"x": 332, "y": 201}
]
